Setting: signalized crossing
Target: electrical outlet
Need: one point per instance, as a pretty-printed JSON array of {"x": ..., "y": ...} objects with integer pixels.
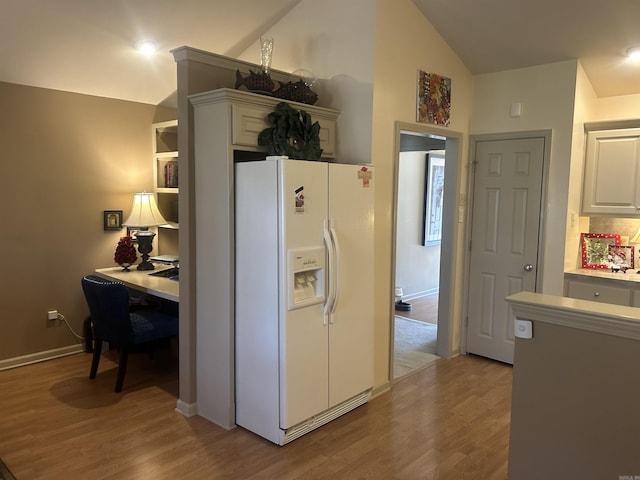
[{"x": 52, "y": 314}]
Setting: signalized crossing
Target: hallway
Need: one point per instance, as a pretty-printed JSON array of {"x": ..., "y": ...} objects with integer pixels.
[{"x": 415, "y": 335}]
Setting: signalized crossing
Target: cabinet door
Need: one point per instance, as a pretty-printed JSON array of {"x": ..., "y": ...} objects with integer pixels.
[
  {"x": 598, "y": 292},
  {"x": 250, "y": 120},
  {"x": 635, "y": 298},
  {"x": 612, "y": 173}
]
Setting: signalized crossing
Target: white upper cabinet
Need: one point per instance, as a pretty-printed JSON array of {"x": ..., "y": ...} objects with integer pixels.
[{"x": 612, "y": 173}]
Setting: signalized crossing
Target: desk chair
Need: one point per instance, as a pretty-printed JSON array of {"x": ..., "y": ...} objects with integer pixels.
[{"x": 113, "y": 322}]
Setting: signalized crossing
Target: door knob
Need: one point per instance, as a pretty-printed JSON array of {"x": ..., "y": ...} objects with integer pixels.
[{"x": 528, "y": 267}]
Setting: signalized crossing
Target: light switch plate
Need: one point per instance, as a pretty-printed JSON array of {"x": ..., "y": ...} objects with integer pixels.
[{"x": 524, "y": 328}]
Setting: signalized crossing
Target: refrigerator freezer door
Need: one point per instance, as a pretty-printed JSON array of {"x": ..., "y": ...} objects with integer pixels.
[
  {"x": 304, "y": 353},
  {"x": 351, "y": 325},
  {"x": 256, "y": 303}
]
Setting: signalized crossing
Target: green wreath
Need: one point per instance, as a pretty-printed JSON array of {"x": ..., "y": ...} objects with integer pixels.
[{"x": 292, "y": 134}]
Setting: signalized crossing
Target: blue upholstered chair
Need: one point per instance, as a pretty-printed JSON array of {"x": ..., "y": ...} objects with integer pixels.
[{"x": 113, "y": 322}]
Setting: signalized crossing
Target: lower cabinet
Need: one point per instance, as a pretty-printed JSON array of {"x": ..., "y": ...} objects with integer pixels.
[
  {"x": 635, "y": 298},
  {"x": 603, "y": 290}
]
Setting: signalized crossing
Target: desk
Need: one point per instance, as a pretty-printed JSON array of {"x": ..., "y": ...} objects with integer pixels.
[{"x": 141, "y": 280}]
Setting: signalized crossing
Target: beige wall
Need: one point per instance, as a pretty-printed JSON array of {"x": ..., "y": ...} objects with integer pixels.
[
  {"x": 417, "y": 265},
  {"x": 584, "y": 110},
  {"x": 547, "y": 95},
  {"x": 405, "y": 42},
  {"x": 371, "y": 78},
  {"x": 574, "y": 407},
  {"x": 623, "y": 107},
  {"x": 66, "y": 158},
  {"x": 319, "y": 37}
]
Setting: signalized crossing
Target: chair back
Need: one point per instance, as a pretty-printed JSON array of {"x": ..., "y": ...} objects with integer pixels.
[{"x": 109, "y": 309}]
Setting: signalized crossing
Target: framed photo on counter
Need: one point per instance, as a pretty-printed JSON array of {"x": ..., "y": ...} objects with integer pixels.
[
  {"x": 595, "y": 248},
  {"x": 622, "y": 255}
]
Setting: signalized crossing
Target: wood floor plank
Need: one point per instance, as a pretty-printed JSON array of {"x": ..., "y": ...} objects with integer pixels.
[
  {"x": 448, "y": 421},
  {"x": 423, "y": 309}
]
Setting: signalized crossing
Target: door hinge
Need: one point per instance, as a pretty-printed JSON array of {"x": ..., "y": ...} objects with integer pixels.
[{"x": 466, "y": 321}]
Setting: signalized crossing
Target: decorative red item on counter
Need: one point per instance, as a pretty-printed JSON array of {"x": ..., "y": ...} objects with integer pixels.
[
  {"x": 125, "y": 255},
  {"x": 595, "y": 248}
]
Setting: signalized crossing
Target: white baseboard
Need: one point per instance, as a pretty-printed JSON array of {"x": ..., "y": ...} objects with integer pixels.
[
  {"x": 40, "y": 356},
  {"x": 424, "y": 293},
  {"x": 380, "y": 389},
  {"x": 186, "y": 409}
]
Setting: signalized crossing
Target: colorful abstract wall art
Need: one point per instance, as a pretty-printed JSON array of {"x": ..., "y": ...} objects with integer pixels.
[{"x": 434, "y": 99}]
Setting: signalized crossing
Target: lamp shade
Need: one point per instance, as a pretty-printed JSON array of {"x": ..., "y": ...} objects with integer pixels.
[{"x": 144, "y": 211}]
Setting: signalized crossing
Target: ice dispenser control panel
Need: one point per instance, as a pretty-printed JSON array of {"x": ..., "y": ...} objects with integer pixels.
[{"x": 306, "y": 277}]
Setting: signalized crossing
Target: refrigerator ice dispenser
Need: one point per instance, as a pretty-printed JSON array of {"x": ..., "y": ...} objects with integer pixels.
[{"x": 305, "y": 277}]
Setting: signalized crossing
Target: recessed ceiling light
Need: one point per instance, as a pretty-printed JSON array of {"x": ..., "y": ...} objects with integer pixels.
[
  {"x": 147, "y": 47},
  {"x": 633, "y": 53}
]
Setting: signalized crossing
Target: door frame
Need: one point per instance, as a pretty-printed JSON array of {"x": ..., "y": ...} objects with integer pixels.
[
  {"x": 453, "y": 156},
  {"x": 542, "y": 234}
]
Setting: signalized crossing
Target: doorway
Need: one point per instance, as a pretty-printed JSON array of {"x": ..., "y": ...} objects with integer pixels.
[
  {"x": 507, "y": 192},
  {"x": 425, "y": 171}
]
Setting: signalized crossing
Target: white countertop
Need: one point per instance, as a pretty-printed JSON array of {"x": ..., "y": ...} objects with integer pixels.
[
  {"x": 606, "y": 318},
  {"x": 629, "y": 276},
  {"x": 141, "y": 280}
]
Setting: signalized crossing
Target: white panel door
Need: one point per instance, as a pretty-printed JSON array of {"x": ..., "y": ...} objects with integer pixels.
[
  {"x": 304, "y": 334},
  {"x": 504, "y": 239},
  {"x": 351, "y": 323}
]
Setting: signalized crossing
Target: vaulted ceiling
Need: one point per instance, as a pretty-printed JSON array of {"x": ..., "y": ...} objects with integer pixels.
[
  {"x": 86, "y": 46},
  {"x": 496, "y": 35}
]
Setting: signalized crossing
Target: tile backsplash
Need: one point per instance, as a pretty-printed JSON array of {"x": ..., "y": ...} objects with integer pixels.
[{"x": 626, "y": 227}]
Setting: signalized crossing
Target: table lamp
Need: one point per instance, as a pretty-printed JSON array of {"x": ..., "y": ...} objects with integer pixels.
[{"x": 145, "y": 214}]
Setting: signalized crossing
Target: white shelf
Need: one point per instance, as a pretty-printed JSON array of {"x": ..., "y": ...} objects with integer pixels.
[
  {"x": 170, "y": 226},
  {"x": 165, "y": 169}
]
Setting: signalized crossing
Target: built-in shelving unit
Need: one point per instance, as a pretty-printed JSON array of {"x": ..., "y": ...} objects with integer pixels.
[
  {"x": 165, "y": 169},
  {"x": 226, "y": 125}
]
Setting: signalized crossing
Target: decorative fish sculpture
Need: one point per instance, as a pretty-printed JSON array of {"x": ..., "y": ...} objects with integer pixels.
[
  {"x": 296, "y": 92},
  {"x": 255, "y": 82}
]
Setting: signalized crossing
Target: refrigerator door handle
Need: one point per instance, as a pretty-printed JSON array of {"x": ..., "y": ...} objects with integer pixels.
[
  {"x": 329, "y": 269},
  {"x": 334, "y": 270}
]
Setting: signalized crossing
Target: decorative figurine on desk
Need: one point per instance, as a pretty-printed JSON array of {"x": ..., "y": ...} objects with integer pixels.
[{"x": 125, "y": 253}]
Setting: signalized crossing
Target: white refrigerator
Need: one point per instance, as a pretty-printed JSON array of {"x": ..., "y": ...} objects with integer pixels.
[{"x": 304, "y": 294}]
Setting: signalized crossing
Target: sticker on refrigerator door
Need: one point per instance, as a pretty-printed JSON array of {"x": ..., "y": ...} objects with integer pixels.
[
  {"x": 299, "y": 194},
  {"x": 364, "y": 174}
]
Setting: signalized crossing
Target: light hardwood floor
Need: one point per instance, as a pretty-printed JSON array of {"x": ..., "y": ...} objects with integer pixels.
[
  {"x": 448, "y": 421},
  {"x": 423, "y": 309}
]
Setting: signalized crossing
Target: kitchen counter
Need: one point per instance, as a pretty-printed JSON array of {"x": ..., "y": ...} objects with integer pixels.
[
  {"x": 577, "y": 373},
  {"x": 600, "y": 285},
  {"x": 618, "y": 320},
  {"x": 600, "y": 273}
]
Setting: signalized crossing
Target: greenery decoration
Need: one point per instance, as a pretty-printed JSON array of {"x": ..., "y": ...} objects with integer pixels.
[{"x": 292, "y": 134}]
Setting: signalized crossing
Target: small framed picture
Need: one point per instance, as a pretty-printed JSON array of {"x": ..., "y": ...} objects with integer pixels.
[
  {"x": 131, "y": 232},
  {"x": 112, "y": 219},
  {"x": 621, "y": 255},
  {"x": 433, "y": 200},
  {"x": 595, "y": 248}
]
